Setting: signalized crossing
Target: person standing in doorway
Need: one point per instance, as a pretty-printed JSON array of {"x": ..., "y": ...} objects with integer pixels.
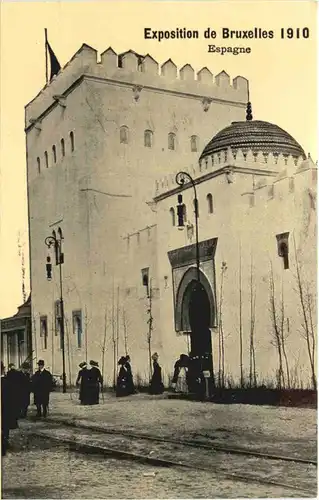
[{"x": 42, "y": 386}]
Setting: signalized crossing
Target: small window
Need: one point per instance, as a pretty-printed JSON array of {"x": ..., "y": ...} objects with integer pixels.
[
  {"x": 148, "y": 138},
  {"x": 210, "y": 207},
  {"x": 39, "y": 165},
  {"x": 172, "y": 141},
  {"x": 72, "y": 141},
  {"x": 58, "y": 320},
  {"x": 283, "y": 249},
  {"x": 44, "y": 331},
  {"x": 77, "y": 327},
  {"x": 291, "y": 185},
  {"x": 194, "y": 143},
  {"x": 172, "y": 213},
  {"x": 46, "y": 159},
  {"x": 62, "y": 147},
  {"x": 124, "y": 135},
  {"x": 54, "y": 154}
]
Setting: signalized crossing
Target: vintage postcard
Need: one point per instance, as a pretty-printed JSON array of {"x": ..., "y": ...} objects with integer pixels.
[{"x": 158, "y": 249}]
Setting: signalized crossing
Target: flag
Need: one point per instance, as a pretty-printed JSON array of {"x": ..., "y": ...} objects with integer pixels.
[{"x": 54, "y": 63}]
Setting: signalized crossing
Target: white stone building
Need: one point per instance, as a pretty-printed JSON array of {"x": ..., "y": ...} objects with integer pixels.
[{"x": 104, "y": 142}]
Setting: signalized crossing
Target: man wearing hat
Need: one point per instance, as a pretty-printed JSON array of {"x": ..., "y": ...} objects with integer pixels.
[
  {"x": 14, "y": 388},
  {"x": 42, "y": 384},
  {"x": 25, "y": 388}
]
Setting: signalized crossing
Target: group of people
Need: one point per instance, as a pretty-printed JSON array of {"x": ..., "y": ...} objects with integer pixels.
[
  {"x": 16, "y": 388},
  {"x": 90, "y": 381},
  {"x": 188, "y": 375}
]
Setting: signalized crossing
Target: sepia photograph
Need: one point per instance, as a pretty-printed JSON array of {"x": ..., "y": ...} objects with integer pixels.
[{"x": 158, "y": 201}]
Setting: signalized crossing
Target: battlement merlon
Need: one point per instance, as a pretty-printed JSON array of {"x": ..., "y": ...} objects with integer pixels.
[{"x": 133, "y": 69}]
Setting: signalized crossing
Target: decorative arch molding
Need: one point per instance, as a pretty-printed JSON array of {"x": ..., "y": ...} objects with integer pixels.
[{"x": 182, "y": 322}]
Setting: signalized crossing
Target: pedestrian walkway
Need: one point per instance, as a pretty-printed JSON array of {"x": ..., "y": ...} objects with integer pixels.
[{"x": 277, "y": 430}]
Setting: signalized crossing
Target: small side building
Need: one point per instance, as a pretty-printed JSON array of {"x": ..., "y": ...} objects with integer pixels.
[{"x": 16, "y": 338}]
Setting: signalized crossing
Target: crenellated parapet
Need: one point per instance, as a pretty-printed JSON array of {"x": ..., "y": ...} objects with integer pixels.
[
  {"x": 142, "y": 238},
  {"x": 132, "y": 69},
  {"x": 296, "y": 177},
  {"x": 229, "y": 163}
]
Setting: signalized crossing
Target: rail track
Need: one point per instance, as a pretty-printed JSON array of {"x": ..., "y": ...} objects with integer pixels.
[{"x": 287, "y": 473}]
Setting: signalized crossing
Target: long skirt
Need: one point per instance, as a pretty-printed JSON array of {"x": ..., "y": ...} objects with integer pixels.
[{"x": 181, "y": 385}]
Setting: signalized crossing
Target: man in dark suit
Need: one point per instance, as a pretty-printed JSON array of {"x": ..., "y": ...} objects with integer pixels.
[
  {"x": 6, "y": 413},
  {"x": 13, "y": 378},
  {"x": 25, "y": 388},
  {"x": 42, "y": 386}
]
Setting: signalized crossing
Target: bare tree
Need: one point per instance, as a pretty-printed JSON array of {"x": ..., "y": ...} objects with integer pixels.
[
  {"x": 69, "y": 348},
  {"x": 117, "y": 322},
  {"x": 21, "y": 255},
  {"x": 221, "y": 340},
  {"x": 306, "y": 303},
  {"x": 283, "y": 335},
  {"x": 125, "y": 332},
  {"x": 113, "y": 340},
  {"x": 150, "y": 325},
  {"x": 240, "y": 323},
  {"x": 103, "y": 346},
  {"x": 252, "y": 355},
  {"x": 86, "y": 324},
  {"x": 276, "y": 332}
]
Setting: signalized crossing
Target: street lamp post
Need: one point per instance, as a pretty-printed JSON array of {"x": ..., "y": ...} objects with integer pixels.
[
  {"x": 56, "y": 241},
  {"x": 180, "y": 179}
]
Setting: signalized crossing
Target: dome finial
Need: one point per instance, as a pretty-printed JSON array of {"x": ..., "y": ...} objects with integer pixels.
[{"x": 249, "y": 115}]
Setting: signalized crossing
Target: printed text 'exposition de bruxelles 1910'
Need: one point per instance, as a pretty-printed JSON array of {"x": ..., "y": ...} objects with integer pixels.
[{"x": 227, "y": 34}]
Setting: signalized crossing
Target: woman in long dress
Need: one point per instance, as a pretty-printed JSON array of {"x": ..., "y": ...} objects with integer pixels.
[
  {"x": 180, "y": 378},
  {"x": 122, "y": 379},
  {"x": 94, "y": 382},
  {"x": 82, "y": 381},
  {"x": 156, "y": 385}
]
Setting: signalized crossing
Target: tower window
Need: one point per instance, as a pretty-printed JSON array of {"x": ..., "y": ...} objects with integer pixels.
[
  {"x": 46, "y": 159},
  {"x": 77, "y": 327},
  {"x": 194, "y": 143},
  {"x": 72, "y": 141},
  {"x": 148, "y": 138},
  {"x": 54, "y": 153},
  {"x": 124, "y": 135},
  {"x": 172, "y": 141},
  {"x": 172, "y": 213},
  {"x": 283, "y": 248},
  {"x": 39, "y": 165},
  {"x": 210, "y": 207},
  {"x": 62, "y": 147},
  {"x": 44, "y": 331}
]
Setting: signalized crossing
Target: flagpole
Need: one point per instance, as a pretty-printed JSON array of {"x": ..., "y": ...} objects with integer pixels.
[{"x": 46, "y": 54}]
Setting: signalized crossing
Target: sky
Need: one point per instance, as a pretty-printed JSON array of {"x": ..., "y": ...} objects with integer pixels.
[{"x": 282, "y": 73}]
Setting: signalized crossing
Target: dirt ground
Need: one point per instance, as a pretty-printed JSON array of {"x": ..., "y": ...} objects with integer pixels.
[
  {"x": 38, "y": 469},
  {"x": 277, "y": 430}
]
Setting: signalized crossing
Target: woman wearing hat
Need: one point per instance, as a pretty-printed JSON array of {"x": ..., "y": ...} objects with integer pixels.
[
  {"x": 95, "y": 380},
  {"x": 156, "y": 385},
  {"x": 122, "y": 378},
  {"x": 82, "y": 381}
]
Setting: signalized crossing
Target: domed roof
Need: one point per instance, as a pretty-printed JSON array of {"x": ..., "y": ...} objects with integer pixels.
[{"x": 256, "y": 135}]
